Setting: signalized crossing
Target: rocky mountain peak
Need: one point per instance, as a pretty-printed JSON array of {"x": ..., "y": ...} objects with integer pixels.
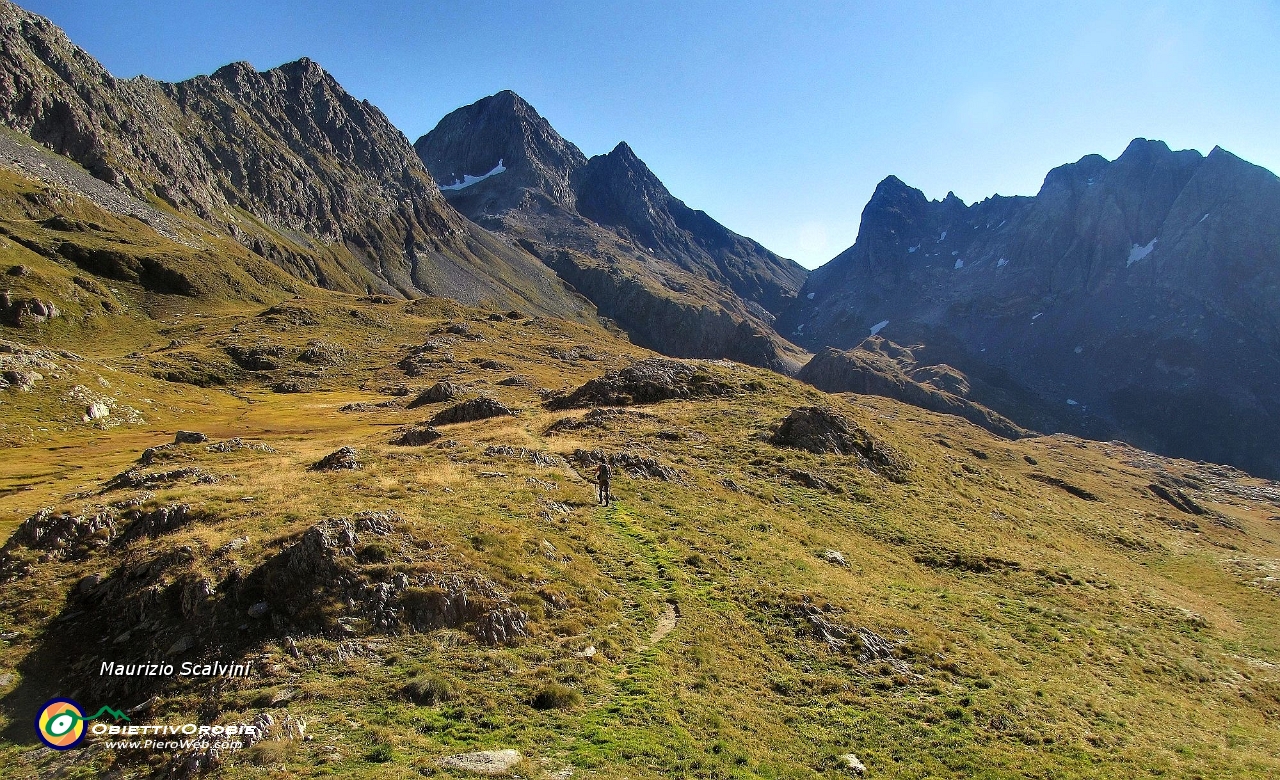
[
  {"x": 1126, "y": 294},
  {"x": 501, "y": 130}
]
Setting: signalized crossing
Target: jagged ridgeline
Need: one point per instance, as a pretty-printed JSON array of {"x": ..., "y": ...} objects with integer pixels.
[
  {"x": 675, "y": 279},
  {"x": 1132, "y": 299},
  {"x": 284, "y": 162}
]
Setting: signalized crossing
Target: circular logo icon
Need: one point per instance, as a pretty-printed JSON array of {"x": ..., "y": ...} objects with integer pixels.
[{"x": 60, "y": 724}]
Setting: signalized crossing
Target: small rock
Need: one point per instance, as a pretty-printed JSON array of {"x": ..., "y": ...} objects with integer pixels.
[
  {"x": 416, "y": 436},
  {"x": 834, "y": 556},
  {"x": 484, "y": 762},
  {"x": 234, "y": 544},
  {"x": 338, "y": 460},
  {"x": 87, "y": 584},
  {"x": 259, "y": 610},
  {"x": 437, "y": 393},
  {"x": 853, "y": 764},
  {"x": 96, "y": 411},
  {"x": 184, "y": 643},
  {"x": 189, "y": 437},
  {"x": 146, "y": 706}
]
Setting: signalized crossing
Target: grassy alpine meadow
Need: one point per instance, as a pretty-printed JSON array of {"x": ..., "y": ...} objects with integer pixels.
[{"x": 1049, "y": 607}]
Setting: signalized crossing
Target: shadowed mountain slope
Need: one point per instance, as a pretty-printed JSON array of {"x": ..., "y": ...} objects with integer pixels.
[
  {"x": 674, "y": 278},
  {"x": 1136, "y": 297}
]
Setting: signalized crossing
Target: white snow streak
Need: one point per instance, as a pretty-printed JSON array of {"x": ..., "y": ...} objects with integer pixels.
[
  {"x": 1139, "y": 252},
  {"x": 468, "y": 179},
  {"x": 879, "y": 326}
]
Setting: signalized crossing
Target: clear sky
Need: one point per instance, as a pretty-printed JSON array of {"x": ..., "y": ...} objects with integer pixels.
[{"x": 778, "y": 119}]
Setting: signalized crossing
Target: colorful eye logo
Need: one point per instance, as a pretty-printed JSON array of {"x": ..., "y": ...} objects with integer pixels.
[{"x": 60, "y": 724}]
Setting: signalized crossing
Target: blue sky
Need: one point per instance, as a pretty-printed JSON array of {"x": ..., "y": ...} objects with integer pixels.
[{"x": 778, "y": 119}]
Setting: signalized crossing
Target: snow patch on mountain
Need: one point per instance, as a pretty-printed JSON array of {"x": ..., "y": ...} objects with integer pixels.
[
  {"x": 468, "y": 179},
  {"x": 1139, "y": 252}
]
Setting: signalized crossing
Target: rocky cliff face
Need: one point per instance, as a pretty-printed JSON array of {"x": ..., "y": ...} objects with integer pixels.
[
  {"x": 1136, "y": 297},
  {"x": 674, "y": 278},
  {"x": 285, "y": 161}
]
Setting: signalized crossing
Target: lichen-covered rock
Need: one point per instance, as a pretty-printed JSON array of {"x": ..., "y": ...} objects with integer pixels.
[
  {"x": 157, "y": 522},
  {"x": 189, "y": 437},
  {"x": 648, "y": 381},
  {"x": 438, "y": 393},
  {"x": 481, "y": 408},
  {"x": 344, "y": 459},
  {"x": 635, "y": 466},
  {"x": 484, "y": 762},
  {"x": 63, "y": 535},
  {"x": 825, "y": 431},
  {"x": 416, "y": 436}
]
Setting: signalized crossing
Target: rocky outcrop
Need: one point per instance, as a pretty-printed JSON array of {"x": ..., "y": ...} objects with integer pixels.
[
  {"x": 61, "y": 535},
  {"x": 26, "y": 311},
  {"x": 343, "y": 459},
  {"x": 1129, "y": 299},
  {"x": 416, "y": 436},
  {"x": 865, "y": 644},
  {"x": 633, "y": 465},
  {"x": 649, "y": 381},
  {"x": 877, "y": 367},
  {"x": 481, "y": 408},
  {"x": 596, "y": 418},
  {"x": 437, "y": 393},
  {"x": 825, "y": 431}
]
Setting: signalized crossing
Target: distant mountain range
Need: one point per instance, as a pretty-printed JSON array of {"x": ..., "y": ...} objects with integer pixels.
[{"x": 1134, "y": 299}]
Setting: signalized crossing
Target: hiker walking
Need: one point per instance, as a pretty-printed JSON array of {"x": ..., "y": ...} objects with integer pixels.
[{"x": 602, "y": 477}]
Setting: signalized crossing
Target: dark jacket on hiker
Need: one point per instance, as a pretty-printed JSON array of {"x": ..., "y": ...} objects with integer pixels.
[{"x": 602, "y": 476}]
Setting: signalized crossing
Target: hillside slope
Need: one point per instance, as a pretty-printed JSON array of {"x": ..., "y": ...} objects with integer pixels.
[{"x": 919, "y": 593}]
